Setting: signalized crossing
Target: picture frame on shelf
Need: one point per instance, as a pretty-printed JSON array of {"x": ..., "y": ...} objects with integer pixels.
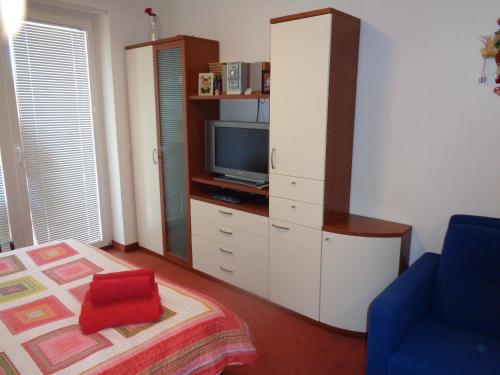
[
  {"x": 206, "y": 84},
  {"x": 266, "y": 81}
]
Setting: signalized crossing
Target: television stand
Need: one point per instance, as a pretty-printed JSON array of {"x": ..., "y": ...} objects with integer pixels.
[{"x": 258, "y": 185}]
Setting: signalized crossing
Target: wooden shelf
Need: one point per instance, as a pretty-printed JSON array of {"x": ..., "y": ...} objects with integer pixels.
[
  {"x": 209, "y": 180},
  {"x": 254, "y": 96},
  {"x": 253, "y": 207},
  {"x": 356, "y": 225}
]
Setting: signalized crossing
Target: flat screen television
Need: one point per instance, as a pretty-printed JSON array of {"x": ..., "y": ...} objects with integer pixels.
[{"x": 238, "y": 150}]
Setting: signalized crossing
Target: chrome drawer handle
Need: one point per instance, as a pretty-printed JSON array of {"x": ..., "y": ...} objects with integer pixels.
[
  {"x": 225, "y": 251},
  {"x": 155, "y": 156},
  {"x": 226, "y": 232},
  {"x": 273, "y": 151},
  {"x": 226, "y": 269},
  {"x": 280, "y": 227},
  {"x": 225, "y": 213}
]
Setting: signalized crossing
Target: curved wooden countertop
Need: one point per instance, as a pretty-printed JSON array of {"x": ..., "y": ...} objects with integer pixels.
[{"x": 356, "y": 225}]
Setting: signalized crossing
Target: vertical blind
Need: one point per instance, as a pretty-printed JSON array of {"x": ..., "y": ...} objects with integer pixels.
[
  {"x": 4, "y": 219},
  {"x": 172, "y": 147},
  {"x": 55, "y": 113}
]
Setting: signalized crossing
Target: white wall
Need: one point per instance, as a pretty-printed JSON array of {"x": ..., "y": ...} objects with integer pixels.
[
  {"x": 427, "y": 136},
  {"x": 123, "y": 24}
]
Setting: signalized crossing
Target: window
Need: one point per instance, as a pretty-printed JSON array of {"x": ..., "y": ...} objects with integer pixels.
[
  {"x": 51, "y": 75},
  {"x": 5, "y": 240}
]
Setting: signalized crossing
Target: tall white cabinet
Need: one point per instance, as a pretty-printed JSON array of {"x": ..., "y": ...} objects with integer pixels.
[
  {"x": 300, "y": 59},
  {"x": 303, "y": 121},
  {"x": 143, "y": 134}
]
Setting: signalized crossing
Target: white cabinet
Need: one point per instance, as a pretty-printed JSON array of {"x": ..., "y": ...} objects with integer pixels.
[
  {"x": 300, "y": 60},
  {"x": 142, "y": 112},
  {"x": 354, "y": 270},
  {"x": 231, "y": 245},
  {"x": 246, "y": 270},
  {"x": 295, "y": 264}
]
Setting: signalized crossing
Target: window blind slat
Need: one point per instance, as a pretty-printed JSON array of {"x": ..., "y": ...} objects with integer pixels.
[
  {"x": 55, "y": 112},
  {"x": 4, "y": 219}
]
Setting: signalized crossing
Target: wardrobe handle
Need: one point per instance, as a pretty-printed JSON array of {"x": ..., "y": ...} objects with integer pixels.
[
  {"x": 225, "y": 213},
  {"x": 225, "y": 251},
  {"x": 226, "y": 232},
  {"x": 280, "y": 227},
  {"x": 226, "y": 269},
  {"x": 155, "y": 156},
  {"x": 273, "y": 151}
]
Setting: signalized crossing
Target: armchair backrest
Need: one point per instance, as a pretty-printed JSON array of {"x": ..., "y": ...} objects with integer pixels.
[{"x": 468, "y": 279}]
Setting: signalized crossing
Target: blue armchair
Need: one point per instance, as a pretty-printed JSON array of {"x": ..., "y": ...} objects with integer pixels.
[{"x": 442, "y": 315}]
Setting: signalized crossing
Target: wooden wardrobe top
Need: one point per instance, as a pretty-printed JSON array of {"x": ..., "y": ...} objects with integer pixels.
[
  {"x": 164, "y": 40},
  {"x": 312, "y": 13}
]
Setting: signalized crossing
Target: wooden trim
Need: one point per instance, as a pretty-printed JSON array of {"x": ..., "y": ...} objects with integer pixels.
[
  {"x": 341, "y": 111},
  {"x": 312, "y": 13},
  {"x": 209, "y": 180},
  {"x": 362, "y": 226},
  {"x": 404, "y": 257},
  {"x": 197, "y": 55},
  {"x": 254, "y": 96},
  {"x": 124, "y": 248},
  {"x": 166, "y": 40}
]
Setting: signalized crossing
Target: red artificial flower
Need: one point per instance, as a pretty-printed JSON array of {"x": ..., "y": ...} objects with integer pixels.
[{"x": 149, "y": 12}]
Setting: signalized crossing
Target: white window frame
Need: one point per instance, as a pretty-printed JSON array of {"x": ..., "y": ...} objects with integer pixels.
[{"x": 86, "y": 19}]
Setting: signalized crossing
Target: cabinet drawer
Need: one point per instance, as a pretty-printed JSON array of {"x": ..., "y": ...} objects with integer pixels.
[
  {"x": 310, "y": 215},
  {"x": 228, "y": 236},
  {"x": 251, "y": 276},
  {"x": 245, "y": 221},
  {"x": 224, "y": 253},
  {"x": 296, "y": 188},
  {"x": 294, "y": 267}
]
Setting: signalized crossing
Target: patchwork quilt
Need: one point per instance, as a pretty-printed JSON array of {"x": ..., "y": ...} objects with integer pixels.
[{"x": 41, "y": 291}]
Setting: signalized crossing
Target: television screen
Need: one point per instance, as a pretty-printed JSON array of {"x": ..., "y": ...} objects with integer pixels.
[{"x": 243, "y": 149}]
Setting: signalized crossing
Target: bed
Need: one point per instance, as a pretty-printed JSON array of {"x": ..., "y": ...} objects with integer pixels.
[{"x": 41, "y": 290}]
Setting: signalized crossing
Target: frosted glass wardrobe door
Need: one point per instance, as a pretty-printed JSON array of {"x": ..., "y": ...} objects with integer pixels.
[{"x": 173, "y": 163}]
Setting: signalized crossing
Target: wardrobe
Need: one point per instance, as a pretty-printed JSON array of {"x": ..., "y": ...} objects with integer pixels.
[
  {"x": 297, "y": 245},
  {"x": 160, "y": 80}
]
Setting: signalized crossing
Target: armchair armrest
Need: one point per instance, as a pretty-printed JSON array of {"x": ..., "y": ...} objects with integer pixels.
[{"x": 396, "y": 311}]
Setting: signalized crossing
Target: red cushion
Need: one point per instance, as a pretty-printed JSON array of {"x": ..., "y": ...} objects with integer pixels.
[
  {"x": 124, "y": 274},
  {"x": 94, "y": 317},
  {"x": 104, "y": 291}
]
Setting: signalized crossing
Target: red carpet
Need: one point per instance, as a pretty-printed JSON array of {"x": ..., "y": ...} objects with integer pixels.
[{"x": 287, "y": 345}]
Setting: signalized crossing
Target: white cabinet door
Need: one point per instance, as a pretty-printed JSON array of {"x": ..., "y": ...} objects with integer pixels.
[
  {"x": 142, "y": 112},
  {"x": 294, "y": 267},
  {"x": 300, "y": 57},
  {"x": 354, "y": 271}
]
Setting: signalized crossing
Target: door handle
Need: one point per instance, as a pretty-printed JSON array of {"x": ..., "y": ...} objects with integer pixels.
[
  {"x": 225, "y": 213},
  {"x": 280, "y": 227},
  {"x": 225, "y": 251},
  {"x": 226, "y": 269},
  {"x": 226, "y": 232},
  {"x": 273, "y": 151},
  {"x": 155, "y": 156},
  {"x": 19, "y": 154}
]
